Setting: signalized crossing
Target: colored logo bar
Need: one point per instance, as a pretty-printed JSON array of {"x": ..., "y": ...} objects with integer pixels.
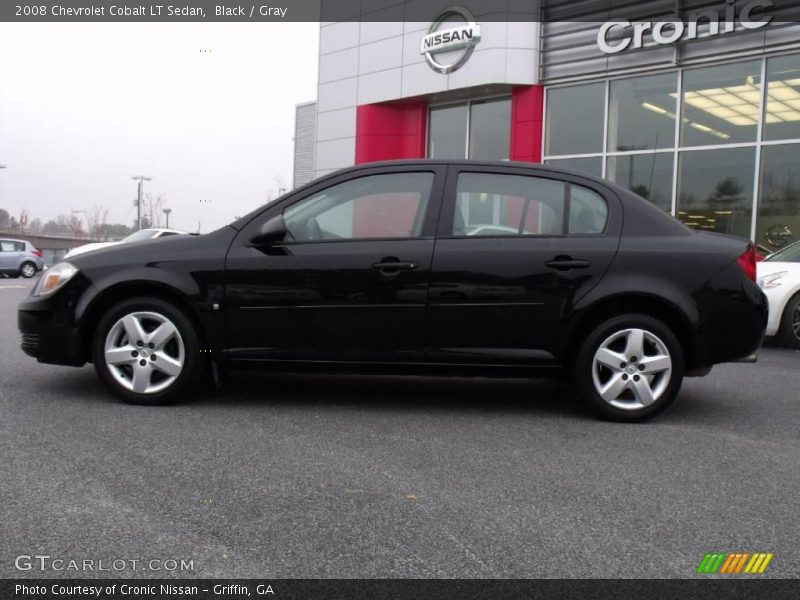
[{"x": 734, "y": 563}]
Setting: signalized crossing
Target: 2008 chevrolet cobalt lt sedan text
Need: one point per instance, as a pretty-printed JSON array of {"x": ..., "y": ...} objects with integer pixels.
[{"x": 432, "y": 266}]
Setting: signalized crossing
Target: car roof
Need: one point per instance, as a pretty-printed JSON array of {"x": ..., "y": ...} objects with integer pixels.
[
  {"x": 464, "y": 162},
  {"x": 8, "y": 239}
]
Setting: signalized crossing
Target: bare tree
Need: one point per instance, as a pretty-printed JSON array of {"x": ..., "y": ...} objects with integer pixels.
[
  {"x": 96, "y": 218},
  {"x": 153, "y": 208},
  {"x": 75, "y": 225}
]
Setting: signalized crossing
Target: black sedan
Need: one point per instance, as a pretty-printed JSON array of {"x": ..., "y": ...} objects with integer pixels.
[{"x": 422, "y": 266}]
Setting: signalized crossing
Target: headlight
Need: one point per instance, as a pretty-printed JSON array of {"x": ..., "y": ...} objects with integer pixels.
[
  {"x": 771, "y": 281},
  {"x": 54, "y": 278}
]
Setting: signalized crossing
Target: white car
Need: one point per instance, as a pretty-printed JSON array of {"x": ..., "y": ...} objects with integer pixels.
[
  {"x": 138, "y": 236},
  {"x": 779, "y": 277}
]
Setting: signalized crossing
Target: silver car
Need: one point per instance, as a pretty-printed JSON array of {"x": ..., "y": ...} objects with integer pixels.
[{"x": 18, "y": 257}]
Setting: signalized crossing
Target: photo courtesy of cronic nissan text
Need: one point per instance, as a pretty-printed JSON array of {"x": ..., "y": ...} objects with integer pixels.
[{"x": 400, "y": 299}]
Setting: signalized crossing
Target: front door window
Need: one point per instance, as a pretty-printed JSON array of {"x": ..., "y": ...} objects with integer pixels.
[{"x": 386, "y": 206}]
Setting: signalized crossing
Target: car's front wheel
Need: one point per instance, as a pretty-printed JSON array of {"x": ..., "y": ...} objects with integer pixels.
[
  {"x": 630, "y": 368},
  {"x": 27, "y": 270},
  {"x": 146, "y": 351}
]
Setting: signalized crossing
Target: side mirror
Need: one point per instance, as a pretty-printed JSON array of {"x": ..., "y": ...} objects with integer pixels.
[{"x": 271, "y": 232}]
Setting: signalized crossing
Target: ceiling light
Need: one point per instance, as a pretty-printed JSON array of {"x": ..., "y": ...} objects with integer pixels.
[
  {"x": 741, "y": 120},
  {"x": 793, "y": 115},
  {"x": 783, "y": 93},
  {"x": 722, "y": 112},
  {"x": 709, "y": 130},
  {"x": 754, "y": 97},
  {"x": 654, "y": 108},
  {"x": 701, "y": 102}
]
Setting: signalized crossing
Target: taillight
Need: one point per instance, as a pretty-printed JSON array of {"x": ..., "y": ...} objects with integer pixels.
[
  {"x": 36, "y": 252},
  {"x": 747, "y": 261}
]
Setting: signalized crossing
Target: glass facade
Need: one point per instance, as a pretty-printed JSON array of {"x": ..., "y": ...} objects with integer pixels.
[
  {"x": 479, "y": 129},
  {"x": 717, "y": 146},
  {"x": 447, "y": 131}
]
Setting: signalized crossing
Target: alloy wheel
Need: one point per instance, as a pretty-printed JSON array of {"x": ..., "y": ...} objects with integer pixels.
[
  {"x": 144, "y": 352},
  {"x": 28, "y": 270},
  {"x": 631, "y": 369},
  {"x": 796, "y": 322}
]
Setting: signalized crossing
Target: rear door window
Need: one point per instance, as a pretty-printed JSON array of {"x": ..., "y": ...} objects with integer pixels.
[{"x": 500, "y": 204}]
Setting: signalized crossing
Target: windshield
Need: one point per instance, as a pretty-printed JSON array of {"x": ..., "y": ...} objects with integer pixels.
[
  {"x": 788, "y": 254},
  {"x": 144, "y": 234}
]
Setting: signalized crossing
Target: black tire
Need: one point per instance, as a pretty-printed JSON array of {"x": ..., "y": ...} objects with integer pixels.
[
  {"x": 787, "y": 334},
  {"x": 114, "y": 378},
  {"x": 627, "y": 408},
  {"x": 27, "y": 269}
]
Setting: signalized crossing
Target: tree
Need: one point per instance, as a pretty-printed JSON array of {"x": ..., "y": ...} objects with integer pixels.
[
  {"x": 96, "y": 219},
  {"x": 75, "y": 226},
  {"x": 114, "y": 231}
]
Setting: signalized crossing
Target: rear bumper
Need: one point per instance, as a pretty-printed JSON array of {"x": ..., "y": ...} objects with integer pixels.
[
  {"x": 48, "y": 333},
  {"x": 731, "y": 320}
]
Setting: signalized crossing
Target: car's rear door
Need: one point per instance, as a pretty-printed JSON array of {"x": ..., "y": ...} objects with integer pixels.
[
  {"x": 516, "y": 248},
  {"x": 351, "y": 282}
]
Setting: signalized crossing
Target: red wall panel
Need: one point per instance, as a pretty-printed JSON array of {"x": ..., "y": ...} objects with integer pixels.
[
  {"x": 527, "y": 123},
  {"x": 390, "y": 131}
]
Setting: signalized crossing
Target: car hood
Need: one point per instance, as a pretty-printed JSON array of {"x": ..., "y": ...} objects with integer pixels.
[
  {"x": 155, "y": 251},
  {"x": 90, "y": 248},
  {"x": 768, "y": 267}
]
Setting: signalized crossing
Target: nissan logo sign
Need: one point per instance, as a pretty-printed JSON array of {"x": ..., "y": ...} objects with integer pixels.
[
  {"x": 457, "y": 41},
  {"x": 669, "y": 32}
]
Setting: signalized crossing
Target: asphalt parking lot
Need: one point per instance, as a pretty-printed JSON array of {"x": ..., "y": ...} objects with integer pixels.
[{"x": 339, "y": 476}]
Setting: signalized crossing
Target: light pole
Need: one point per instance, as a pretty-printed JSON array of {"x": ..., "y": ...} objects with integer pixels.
[
  {"x": 166, "y": 212},
  {"x": 141, "y": 179}
]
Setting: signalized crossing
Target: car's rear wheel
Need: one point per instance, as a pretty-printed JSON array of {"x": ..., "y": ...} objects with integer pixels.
[
  {"x": 146, "y": 351},
  {"x": 27, "y": 270},
  {"x": 789, "y": 332},
  {"x": 630, "y": 368}
]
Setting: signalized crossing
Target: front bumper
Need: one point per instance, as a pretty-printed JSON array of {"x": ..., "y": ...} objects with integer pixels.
[
  {"x": 48, "y": 330},
  {"x": 777, "y": 299}
]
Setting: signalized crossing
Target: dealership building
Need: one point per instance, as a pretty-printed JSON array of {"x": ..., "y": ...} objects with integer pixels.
[{"x": 697, "y": 111}]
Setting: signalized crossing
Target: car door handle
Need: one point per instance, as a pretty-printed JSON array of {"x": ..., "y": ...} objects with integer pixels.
[
  {"x": 565, "y": 263},
  {"x": 398, "y": 265}
]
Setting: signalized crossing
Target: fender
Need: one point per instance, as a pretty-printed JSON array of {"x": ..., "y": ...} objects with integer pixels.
[
  {"x": 201, "y": 301},
  {"x": 621, "y": 286}
]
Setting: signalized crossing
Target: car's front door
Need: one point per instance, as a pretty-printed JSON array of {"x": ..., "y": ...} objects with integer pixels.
[
  {"x": 349, "y": 281},
  {"x": 515, "y": 250}
]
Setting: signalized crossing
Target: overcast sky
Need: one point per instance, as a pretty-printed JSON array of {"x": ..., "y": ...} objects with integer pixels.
[{"x": 83, "y": 107}]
